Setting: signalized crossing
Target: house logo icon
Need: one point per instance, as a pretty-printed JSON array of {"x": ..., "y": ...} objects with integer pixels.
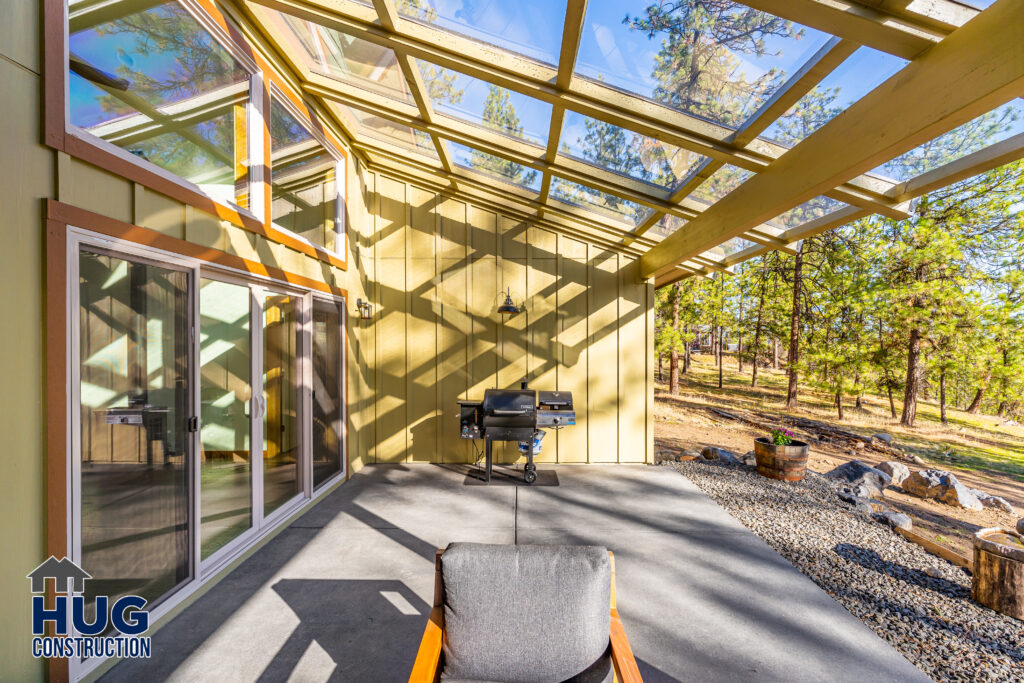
[{"x": 61, "y": 571}]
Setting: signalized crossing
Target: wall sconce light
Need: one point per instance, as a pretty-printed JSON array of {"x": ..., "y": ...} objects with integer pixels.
[
  {"x": 363, "y": 309},
  {"x": 509, "y": 307}
]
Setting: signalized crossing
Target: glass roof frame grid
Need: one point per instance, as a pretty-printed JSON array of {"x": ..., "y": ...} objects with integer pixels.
[{"x": 554, "y": 140}]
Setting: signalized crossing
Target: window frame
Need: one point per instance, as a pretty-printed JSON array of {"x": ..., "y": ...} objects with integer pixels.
[{"x": 60, "y": 134}]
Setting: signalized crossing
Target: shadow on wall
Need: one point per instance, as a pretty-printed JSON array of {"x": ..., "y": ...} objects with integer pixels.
[{"x": 437, "y": 270}]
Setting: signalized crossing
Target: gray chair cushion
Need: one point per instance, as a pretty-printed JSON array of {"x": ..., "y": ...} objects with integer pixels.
[{"x": 523, "y": 613}]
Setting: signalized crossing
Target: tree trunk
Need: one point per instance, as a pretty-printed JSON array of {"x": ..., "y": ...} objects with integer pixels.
[
  {"x": 661, "y": 362},
  {"x": 859, "y": 405},
  {"x": 980, "y": 395},
  {"x": 839, "y": 402},
  {"x": 794, "y": 328},
  {"x": 673, "y": 368},
  {"x": 1004, "y": 381},
  {"x": 686, "y": 349},
  {"x": 913, "y": 379},
  {"x": 757, "y": 326},
  {"x": 892, "y": 403},
  {"x": 976, "y": 403},
  {"x": 739, "y": 337},
  {"x": 942, "y": 396},
  {"x": 721, "y": 365}
]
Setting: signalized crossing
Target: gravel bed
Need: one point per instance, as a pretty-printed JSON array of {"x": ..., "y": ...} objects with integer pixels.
[{"x": 916, "y": 601}]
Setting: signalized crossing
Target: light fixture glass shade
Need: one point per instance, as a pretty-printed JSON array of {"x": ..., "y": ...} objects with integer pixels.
[{"x": 508, "y": 308}]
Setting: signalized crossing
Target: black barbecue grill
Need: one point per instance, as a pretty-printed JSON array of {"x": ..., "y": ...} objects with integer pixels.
[{"x": 515, "y": 415}]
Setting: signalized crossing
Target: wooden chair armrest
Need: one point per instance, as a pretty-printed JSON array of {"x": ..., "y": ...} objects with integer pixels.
[
  {"x": 425, "y": 669},
  {"x": 626, "y": 670}
]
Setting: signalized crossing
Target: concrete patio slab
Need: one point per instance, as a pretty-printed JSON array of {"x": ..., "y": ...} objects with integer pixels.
[{"x": 343, "y": 593}]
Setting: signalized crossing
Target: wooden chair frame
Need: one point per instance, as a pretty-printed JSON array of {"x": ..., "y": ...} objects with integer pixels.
[{"x": 427, "y": 668}]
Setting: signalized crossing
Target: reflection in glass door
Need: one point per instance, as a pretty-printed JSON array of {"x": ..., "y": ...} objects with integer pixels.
[
  {"x": 134, "y": 363},
  {"x": 281, "y": 438},
  {"x": 225, "y": 480},
  {"x": 328, "y": 413}
]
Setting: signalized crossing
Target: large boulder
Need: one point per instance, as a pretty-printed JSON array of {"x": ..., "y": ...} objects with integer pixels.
[
  {"x": 1020, "y": 525},
  {"x": 897, "y": 520},
  {"x": 942, "y": 486},
  {"x": 720, "y": 455},
  {"x": 989, "y": 501},
  {"x": 886, "y": 438},
  {"x": 897, "y": 471},
  {"x": 688, "y": 454},
  {"x": 857, "y": 473}
]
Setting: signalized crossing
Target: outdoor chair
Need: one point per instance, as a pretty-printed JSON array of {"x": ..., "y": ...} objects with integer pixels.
[{"x": 524, "y": 613}]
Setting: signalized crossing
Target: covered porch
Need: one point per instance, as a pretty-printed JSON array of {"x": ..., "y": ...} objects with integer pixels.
[{"x": 343, "y": 592}]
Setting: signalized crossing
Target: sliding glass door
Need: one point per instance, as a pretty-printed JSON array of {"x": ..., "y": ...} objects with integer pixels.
[
  {"x": 328, "y": 448},
  {"x": 282, "y": 401},
  {"x": 205, "y": 409},
  {"x": 225, "y": 385},
  {"x": 134, "y": 360}
]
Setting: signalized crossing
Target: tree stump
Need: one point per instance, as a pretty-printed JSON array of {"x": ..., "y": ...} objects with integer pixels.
[{"x": 999, "y": 571}]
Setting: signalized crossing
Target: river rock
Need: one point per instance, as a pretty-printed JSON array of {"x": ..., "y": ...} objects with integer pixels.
[
  {"x": 942, "y": 486},
  {"x": 664, "y": 456},
  {"x": 719, "y": 454},
  {"x": 1020, "y": 525},
  {"x": 886, "y": 438},
  {"x": 897, "y": 471},
  {"x": 990, "y": 501},
  {"x": 858, "y": 474},
  {"x": 688, "y": 454},
  {"x": 897, "y": 520}
]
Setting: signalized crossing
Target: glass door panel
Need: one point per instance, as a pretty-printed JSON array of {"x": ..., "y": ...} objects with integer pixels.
[
  {"x": 281, "y": 438},
  {"x": 134, "y": 364},
  {"x": 328, "y": 414},
  {"x": 225, "y": 480}
]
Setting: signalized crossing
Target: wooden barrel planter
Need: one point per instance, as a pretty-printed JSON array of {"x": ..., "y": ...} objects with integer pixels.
[
  {"x": 788, "y": 463},
  {"x": 999, "y": 571}
]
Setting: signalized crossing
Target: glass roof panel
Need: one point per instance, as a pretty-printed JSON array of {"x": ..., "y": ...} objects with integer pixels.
[
  {"x": 528, "y": 27},
  {"x": 858, "y": 75},
  {"x": 665, "y": 227},
  {"x": 722, "y": 182},
  {"x": 484, "y": 104},
  {"x": 625, "y": 152},
  {"x": 988, "y": 129},
  {"x": 365, "y": 124},
  {"x": 717, "y": 60},
  {"x": 727, "y": 248},
  {"x": 124, "y": 76},
  {"x": 808, "y": 211},
  {"x": 339, "y": 55},
  {"x": 494, "y": 167},
  {"x": 600, "y": 202}
]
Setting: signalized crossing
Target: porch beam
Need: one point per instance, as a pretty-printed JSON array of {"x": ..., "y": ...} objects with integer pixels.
[{"x": 977, "y": 68}]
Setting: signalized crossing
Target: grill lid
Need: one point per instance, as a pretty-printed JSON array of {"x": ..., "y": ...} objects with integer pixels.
[{"x": 509, "y": 402}]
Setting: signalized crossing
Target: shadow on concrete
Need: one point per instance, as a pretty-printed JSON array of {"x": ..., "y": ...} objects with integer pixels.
[{"x": 370, "y": 629}]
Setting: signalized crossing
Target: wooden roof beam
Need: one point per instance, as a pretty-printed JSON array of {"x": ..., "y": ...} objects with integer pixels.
[{"x": 977, "y": 68}]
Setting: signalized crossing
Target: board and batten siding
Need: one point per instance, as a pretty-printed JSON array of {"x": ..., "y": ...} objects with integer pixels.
[{"x": 436, "y": 270}]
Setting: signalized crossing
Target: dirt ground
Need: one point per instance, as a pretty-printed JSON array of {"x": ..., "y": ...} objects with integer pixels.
[{"x": 683, "y": 422}]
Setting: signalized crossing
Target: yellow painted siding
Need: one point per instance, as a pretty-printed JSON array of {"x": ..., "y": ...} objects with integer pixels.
[
  {"x": 440, "y": 269},
  {"x": 27, "y": 177}
]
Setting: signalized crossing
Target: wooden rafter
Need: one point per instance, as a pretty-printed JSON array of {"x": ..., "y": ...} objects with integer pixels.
[{"x": 975, "y": 69}]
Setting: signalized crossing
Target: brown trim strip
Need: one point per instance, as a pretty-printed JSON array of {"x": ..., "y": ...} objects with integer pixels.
[
  {"x": 56, "y": 408},
  {"x": 73, "y": 216}
]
